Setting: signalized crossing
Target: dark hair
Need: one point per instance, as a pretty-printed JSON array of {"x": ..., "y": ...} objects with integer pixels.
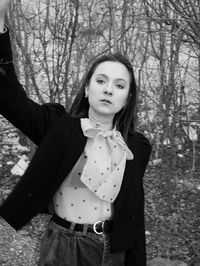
[{"x": 124, "y": 119}]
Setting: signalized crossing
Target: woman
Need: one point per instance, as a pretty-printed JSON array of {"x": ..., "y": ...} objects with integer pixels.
[{"x": 87, "y": 169}]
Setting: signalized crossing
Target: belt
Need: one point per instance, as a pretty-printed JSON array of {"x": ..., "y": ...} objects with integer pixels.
[{"x": 98, "y": 227}]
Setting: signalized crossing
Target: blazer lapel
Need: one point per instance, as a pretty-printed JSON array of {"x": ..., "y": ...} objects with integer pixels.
[
  {"x": 124, "y": 187},
  {"x": 129, "y": 174},
  {"x": 75, "y": 147}
]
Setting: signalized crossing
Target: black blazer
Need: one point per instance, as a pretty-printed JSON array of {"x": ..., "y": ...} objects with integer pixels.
[{"x": 60, "y": 143}]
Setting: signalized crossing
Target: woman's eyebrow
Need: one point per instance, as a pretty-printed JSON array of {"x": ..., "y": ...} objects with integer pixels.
[
  {"x": 106, "y": 77},
  {"x": 121, "y": 79}
]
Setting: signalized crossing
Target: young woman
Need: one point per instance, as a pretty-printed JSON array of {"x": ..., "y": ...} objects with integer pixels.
[{"x": 88, "y": 167}]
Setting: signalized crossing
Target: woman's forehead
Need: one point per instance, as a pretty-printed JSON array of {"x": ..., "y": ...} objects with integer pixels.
[{"x": 115, "y": 70}]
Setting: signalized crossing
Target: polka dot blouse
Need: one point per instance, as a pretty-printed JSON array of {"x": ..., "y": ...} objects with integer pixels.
[
  {"x": 75, "y": 202},
  {"x": 87, "y": 194}
]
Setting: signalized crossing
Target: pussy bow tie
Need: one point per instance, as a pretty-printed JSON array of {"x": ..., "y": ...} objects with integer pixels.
[{"x": 106, "y": 161}]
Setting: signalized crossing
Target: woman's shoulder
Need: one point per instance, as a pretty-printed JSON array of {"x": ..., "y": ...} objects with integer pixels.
[
  {"x": 55, "y": 107},
  {"x": 139, "y": 139},
  {"x": 56, "y": 112}
]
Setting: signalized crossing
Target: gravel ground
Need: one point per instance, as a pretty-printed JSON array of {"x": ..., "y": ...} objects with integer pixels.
[{"x": 21, "y": 248}]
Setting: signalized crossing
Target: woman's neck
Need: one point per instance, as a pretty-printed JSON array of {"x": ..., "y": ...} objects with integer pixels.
[{"x": 103, "y": 122}]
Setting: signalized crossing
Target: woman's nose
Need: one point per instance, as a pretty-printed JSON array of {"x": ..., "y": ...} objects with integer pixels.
[{"x": 108, "y": 89}]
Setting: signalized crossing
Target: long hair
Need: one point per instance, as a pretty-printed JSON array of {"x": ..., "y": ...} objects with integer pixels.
[{"x": 124, "y": 119}]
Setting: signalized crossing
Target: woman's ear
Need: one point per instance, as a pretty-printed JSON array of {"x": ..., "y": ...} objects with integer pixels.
[{"x": 86, "y": 91}]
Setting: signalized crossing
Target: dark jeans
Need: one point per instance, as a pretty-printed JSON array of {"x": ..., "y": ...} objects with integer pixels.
[{"x": 62, "y": 247}]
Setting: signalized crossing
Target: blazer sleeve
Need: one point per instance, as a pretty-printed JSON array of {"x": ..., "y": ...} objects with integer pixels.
[
  {"x": 137, "y": 255},
  {"x": 32, "y": 119}
]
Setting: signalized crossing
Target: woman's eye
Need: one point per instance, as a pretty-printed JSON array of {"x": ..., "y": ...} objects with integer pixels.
[
  {"x": 120, "y": 86},
  {"x": 100, "y": 81}
]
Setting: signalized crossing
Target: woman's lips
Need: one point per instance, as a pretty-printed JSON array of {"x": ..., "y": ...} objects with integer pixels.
[{"x": 106, "y": 101}]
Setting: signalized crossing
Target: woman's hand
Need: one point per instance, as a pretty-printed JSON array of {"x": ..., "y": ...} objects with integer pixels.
[{"x": 3, "y": 9}]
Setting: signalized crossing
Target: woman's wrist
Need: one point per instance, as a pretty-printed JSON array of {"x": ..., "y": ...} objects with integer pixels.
[{"x": 2, "y": 28}]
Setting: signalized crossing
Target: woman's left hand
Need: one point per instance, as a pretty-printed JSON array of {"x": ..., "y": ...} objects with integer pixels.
[{"x": 3, "y": 9}]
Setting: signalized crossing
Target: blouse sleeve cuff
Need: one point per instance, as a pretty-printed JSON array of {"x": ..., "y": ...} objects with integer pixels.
[
  {"x": 5, "y": 47},
  {"x": 5, "y": 29}
]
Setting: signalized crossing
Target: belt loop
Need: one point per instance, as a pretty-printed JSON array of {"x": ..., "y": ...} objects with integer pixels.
[
  {"x": 85, "y": 228},
  {"x": 72, "y": 226}
]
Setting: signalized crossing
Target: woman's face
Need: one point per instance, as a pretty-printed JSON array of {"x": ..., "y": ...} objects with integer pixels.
[{"x": 108, "y": 89}]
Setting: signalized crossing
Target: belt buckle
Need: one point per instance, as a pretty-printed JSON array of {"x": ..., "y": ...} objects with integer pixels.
[{"x": 95, "y": 227}]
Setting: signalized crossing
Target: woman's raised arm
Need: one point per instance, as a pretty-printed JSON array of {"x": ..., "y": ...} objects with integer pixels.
[{"x": 32, "y": 119}]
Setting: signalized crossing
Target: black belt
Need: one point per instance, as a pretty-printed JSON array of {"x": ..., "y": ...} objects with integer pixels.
[{"x": 98, "y": 228}]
